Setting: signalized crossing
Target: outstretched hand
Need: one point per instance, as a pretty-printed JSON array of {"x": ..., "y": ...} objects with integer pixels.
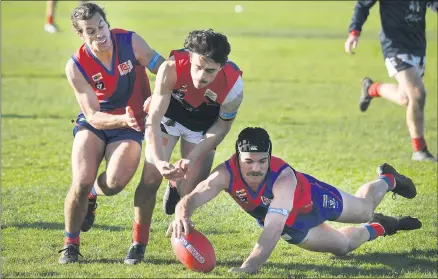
[
  {"x": 180, "y": 226},
  {"x": 169, "y": 171}
]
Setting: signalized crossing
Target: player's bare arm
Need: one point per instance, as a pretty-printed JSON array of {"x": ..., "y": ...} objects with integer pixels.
[
  {"x": 204, "y": 192},
  {"x": 89, "y": 103},
  {"x": 166, "y": 79},
  {"x": 145, "y": 54},
  {"x": 278, "y": 212}
]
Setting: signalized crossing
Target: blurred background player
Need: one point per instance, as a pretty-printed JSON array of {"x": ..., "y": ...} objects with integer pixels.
[
  {"x": 197, "y": 94},
  {"x": 50, "y": 25},
  {"x": 293, "y": 205},
  {"x": 108, "y": 77},
  {"x": 403, "y": 42}
]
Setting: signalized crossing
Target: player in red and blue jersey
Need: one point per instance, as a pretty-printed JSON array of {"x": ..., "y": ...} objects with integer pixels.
[
  {"x": 293, "y": 205},
  {"x": 108, "y": 77},
  {"x": 197, "y": 94}
]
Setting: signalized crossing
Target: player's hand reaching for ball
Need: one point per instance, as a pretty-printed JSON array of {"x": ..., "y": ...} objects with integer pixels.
[
  {"x": 169, "y": 171},
  {"x": 185, "y": 165},
  {"x": 180, "y": 226},
  {"x": 130, "y": 119}
]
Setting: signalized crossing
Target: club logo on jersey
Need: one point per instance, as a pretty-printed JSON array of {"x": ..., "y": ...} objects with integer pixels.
[
  {"x": 329, "y": 202},
  {"x": 97, "y": 77},
  {"x": 100, "y": 85},
  {"x": 210, "y": 96},
  {"x": 265, "y": 200},
  {"x": 242, "y": 196},
  {"x": 125, "y": 67}
]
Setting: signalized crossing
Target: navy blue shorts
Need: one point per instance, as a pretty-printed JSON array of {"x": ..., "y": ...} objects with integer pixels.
[
  {"x": 327, "y": 206},
  {"x": 110, "y": 135}
]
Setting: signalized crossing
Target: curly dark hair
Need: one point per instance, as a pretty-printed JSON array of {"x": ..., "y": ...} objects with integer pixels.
[
  {"x": 210, "y": 44},
  {"x": 254, "y": 136},
  {"x": 85, "y": 11}
]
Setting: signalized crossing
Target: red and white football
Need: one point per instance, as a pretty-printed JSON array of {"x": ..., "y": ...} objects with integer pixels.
[{"x": 194, "y": 251}]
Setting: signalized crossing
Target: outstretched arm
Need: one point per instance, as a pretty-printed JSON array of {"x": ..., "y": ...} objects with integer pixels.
[
  {"x": 278, "y": 212},
  {"x": 217, "y": 132},
  {"x": 205, "y": 191}
]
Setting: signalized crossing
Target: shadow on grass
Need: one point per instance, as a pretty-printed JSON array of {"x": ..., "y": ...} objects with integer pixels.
[
  {"x": 34, "y": 116},
  {"x": 396, "y": 264},
  {"x": 15, "y": 274},
  {"x": 57, "y": 226}
]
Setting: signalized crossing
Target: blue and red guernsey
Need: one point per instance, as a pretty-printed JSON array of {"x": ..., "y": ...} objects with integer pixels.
[
  {"x": 198, "y": 109},
  {"x": 257, "y": 203},
  {"x": 125, "y": 84}
]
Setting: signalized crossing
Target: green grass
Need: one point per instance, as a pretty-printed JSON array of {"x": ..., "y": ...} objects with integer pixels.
[{"x": 300, "y": 86}]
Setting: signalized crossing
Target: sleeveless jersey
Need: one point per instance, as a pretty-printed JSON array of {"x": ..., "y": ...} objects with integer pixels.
[
  {"x": 257, "y": 203},
  {"x": 198, "y": 109},
  {"x": 125, "y": 84}
]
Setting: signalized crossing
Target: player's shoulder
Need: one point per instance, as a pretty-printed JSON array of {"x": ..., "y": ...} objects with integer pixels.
[
  {"x": 232, "y": 72},
  {"x": 230, "y": 65},
  {"x": 220, "y": 174},
  {"x": 120, "y": 31}
]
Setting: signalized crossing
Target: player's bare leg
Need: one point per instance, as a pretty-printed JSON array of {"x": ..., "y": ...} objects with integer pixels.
[
  {"x": 360, "y": 207},
  {"x": 200, "y": 171},
  {"x": 413, "y": 85},
  {"x": 324, "y": 238},
  {"x": 87, "y": 153},
  {"x": 388, "y": 91},
  {"x": 144, "y": 200},
  {"x": 50, "y": 25},
  {"x": 122, "y": 158}
]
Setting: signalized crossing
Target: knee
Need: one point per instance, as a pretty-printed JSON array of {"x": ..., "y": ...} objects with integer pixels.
[
  {"x": 81, "y": 189},
  {"x": 342, "y": 249},
  {"x": 418, "y": 98},
  {"x": 114, "y": 186},
  {"x": 150, "y": 183},
  {"x": 404, "y": 100}
]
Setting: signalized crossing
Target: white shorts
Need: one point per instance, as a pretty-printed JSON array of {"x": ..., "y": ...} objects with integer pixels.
[
  {"x": 404, "y": 61},
  {"x": 175, "y": 129}
]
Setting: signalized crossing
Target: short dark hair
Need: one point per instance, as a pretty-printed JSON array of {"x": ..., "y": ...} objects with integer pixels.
[
  {"x": 85, "y": 11},
  {"x": 210, "y": 44},
  {"x": 254, "y": 137}
]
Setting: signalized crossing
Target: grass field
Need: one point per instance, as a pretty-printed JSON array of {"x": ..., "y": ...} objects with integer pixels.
[{"x": 299, "y": 85}]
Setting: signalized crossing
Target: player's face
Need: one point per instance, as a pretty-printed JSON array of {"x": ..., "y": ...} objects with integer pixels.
[
  {"x": 96, "y": 33},
  {"x": 203, "y": 70},
  {"x": 254, "y": 166}
]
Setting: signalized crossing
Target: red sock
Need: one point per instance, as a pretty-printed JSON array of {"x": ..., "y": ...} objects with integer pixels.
[
  {"x": 418, "y": 143},
  {"x": 375, "y": 230},
  {"x": 374, "y": 90},
  {"x": 75, "y": 240},
  {"x": 50, "y": 19},
  {"x": 389, "y": 179},
  {"x": 91, "y": 196},
  {"x": 140, "y": 233}
]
